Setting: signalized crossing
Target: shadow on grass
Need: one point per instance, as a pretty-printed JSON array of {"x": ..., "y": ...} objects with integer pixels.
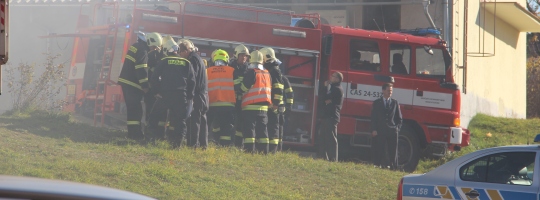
[{"x": 60, "y": 126}]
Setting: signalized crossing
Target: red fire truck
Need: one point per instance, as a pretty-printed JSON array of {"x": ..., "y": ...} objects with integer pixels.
[{"x": 310, "y": 52}]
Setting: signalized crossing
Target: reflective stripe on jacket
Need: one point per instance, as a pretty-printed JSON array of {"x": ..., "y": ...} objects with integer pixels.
[
  {"x": 221, "y": 86},
  {"x": 261, "y": 90}
]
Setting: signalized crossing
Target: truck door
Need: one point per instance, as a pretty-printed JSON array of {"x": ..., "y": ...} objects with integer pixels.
[{"x": 506, "y": 175}]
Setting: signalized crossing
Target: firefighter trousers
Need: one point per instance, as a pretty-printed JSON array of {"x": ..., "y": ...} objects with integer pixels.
[
  {"x": 133, "y": 97},
  {"x": 176, "y": 106},
  {"x": 254, "y": 131},
  {"x": 222, "y": 118},
  {"x": 281, "y": 129},
  {"x": 157, "y": 120},
  {"x": 238, "y": 137},
  {"x": 198, "y": 127},
  {"x": 274, "y": 129},
  {"x": 149, "y": 100}
]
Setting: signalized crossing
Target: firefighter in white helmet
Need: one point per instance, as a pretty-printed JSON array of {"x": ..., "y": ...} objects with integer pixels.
[
  {"x": 222, "y": 97},
  {"x": 275, "y": 112},
  {"x": 154, "y": 56},
  {"x": 134, "y": 80},
  {"x": 174, "y": 79},
  {"x": 198, "y": 133},
  {"x": 240, "y": 64},
  {"x": 255, "y": 103}
]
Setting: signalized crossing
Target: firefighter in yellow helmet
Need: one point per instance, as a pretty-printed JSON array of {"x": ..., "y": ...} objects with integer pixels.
[
  {"x": 134, "y": 80},
  {"x": 240, "y": 64},
  {"x": 271, "y": 63},
  {"x": 198, "y": 128},
  {"x": 222, "y": 97},
  {"x": 174, "y": 79},
  {"x": 255, "y": 104}
]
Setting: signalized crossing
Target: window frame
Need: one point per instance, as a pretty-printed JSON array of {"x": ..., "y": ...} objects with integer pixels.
[{"x": 411, "y": 58}]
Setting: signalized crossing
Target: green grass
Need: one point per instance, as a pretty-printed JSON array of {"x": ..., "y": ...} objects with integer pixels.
[
  {"x": 52, "y": 146},
  {"x": 503, "y": 132}
]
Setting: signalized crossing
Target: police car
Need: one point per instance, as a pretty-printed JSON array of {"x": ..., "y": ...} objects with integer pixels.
[{"x": 509, "y": 172}]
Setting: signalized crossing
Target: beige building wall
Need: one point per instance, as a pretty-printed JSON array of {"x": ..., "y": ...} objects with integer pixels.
[{"x": 496, "y": 62}]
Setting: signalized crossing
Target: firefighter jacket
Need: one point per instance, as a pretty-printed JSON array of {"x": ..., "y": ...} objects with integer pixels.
[
  {"x": 135, "y": 64},
  {"x": 221, "y": 86},
  {"x": 153, "y": 59},
  {"x": 257, "y": 86},
  {"x": 277, "y": 83},
  {"x": 288, "y": 96},
  {"x": 238, "y": 74},
  {"x": 176, "y": 74},
  {"x": 201, "y": 86}
]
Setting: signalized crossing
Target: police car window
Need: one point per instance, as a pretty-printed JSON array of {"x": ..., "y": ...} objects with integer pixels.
[
  {"x": 430, "y": 61},
  {"x": 400, "y": 59},
  {"x": 364, "y": 55},
  {"x": 515, "y": 168}
]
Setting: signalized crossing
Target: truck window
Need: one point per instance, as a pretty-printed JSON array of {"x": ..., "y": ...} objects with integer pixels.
[
  {"x": 430, "y": 64},
  {"x": 364, "y": 55},
  {"x": 400, "y": 59}
]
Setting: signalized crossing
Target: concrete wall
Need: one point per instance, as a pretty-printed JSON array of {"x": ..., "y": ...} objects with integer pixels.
[
  {"x": 26, "y": 25},
  {"x": 496, "y": 78}
]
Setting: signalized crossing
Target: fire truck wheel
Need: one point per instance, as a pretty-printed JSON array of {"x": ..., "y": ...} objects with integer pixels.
[{"x": 408, "y": 149}]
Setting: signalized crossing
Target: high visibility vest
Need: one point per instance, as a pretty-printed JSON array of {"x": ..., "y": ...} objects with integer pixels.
[
  {"x": 221, "y": 86},
  {"x": 261, "y": 91}
]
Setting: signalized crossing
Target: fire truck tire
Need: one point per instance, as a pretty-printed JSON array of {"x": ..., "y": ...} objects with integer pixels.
[{"x": 409, "y": 151}]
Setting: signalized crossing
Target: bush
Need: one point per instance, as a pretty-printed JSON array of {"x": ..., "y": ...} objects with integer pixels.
[{"x": 29, "y": 93}]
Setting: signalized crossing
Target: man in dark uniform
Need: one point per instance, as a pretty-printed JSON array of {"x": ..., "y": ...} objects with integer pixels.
[
  {"x": 154, "y": 56},
  {"x": 271, "y": 63},
  {"x": 198, "y": 133},
  {"x": 174, "y": 78},
  {"x": 134, "y": 80},
  {"x": 240, "y": 64},
  {"x": 333, "y": 101},
  {"x": 386, "y": 121}
]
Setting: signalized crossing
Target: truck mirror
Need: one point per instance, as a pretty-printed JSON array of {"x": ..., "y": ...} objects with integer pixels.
[{"x": 428, "y": 50}]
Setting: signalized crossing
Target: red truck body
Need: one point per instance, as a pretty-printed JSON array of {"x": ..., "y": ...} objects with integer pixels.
[{"x": 429, "y": 98}]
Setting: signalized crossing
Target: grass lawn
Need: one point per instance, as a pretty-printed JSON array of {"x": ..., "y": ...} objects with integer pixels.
[{"x": 52, "y": 146}]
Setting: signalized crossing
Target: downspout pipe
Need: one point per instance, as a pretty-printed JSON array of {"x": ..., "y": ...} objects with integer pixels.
[
  {"x": 426, "y": 11},
  {"x": 447, "y": 27}
]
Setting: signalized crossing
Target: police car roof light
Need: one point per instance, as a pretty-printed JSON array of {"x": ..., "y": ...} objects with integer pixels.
[{"x": 537, "y": 138}]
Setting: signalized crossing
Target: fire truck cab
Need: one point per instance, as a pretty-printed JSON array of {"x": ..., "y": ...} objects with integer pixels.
[{"x": 418, "y": 66}]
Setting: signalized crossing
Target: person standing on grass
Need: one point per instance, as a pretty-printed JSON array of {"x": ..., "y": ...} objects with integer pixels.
[
  {"x": 333, "y": 100},
  {"x": 386, "y": 121}
]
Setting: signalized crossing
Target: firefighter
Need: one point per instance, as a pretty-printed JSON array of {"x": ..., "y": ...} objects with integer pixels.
[
  {"x": 240, "y": 64},
  {"x": 156, "y": 118},
  {"x": 271, "y": 63},
  {"x": 288, "y": 98},
  {"x": 198, "y": 133},
  {"x": 174, "y": 79},
  {"x": 255, "y": 102},
  {"x": 222, "y": 97},
  {"x": 134, "y": 80}
]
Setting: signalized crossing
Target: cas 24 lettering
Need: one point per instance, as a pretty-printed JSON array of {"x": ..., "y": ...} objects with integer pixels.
[{"x": 365, "y": 93}]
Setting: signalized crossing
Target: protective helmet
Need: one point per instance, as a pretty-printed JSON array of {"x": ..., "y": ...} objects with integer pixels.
[
  {"x": 170, "y": 46},
  {"x": 166, "y": 39},
  {"x": 269, "y": 54},
  {"x": 189, "y": 45},
  {"x": 220, "y": 54},
  {"x": 141, "y": 36},
  {"x": 154, "y": 39},
  {"x": 256, "y": 57},
  {"x": 241, "y": 49}
]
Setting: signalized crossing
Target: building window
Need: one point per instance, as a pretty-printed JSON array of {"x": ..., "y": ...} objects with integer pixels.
[
  {"x": 364, "y": 55},
  {"x": 382, "y": 17}
]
